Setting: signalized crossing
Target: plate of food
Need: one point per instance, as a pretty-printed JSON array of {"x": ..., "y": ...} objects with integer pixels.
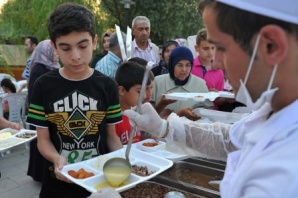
[
  {"x": 10, "y": 137},
  {"x": 192, "y": 96},
  {"x": 158, "y": 148},
  {"x": 150, "y": 145},
  {"x": 144, "y": 167}
]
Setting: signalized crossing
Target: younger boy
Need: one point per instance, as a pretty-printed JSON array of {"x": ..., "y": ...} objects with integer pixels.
[
  {"x": 75, "y": 108},
  {"x": 204, "y": 68},
  {"x": 129, "y": 77},
  {"x": 202, "y": 64}
]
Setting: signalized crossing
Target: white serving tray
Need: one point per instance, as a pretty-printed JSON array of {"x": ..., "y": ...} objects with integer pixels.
[
  {"x": 226, "y": 94},
  {"x": 219, "y": 116},
  {"x": 137, "y": 157},
  {"x": 159, "y": 150},
  {"x": 192, "y": 96},
  {"x": 15, "y": 139}
]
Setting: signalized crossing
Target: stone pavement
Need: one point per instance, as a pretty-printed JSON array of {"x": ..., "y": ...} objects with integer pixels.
[{"x": 14, "y": 182}]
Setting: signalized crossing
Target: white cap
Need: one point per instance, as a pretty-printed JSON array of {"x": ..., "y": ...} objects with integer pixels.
[{"x": 284, "y": 10}]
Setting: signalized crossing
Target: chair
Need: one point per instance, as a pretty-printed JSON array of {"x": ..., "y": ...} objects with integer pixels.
[{"x": 16, "y": 103}]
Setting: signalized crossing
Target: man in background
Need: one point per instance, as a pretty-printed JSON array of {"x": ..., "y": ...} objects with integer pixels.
[
  {"x": 30, "y": 44},
  {"x": 142, "y": 46},
  {"x": 109, "y": 64}
]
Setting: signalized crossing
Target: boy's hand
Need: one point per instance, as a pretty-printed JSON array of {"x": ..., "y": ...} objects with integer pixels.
[{"x": 58, "y": 165}]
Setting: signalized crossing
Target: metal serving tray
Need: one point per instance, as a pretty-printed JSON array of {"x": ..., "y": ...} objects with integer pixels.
[
  {"x": 152, "y": 189},
  {"x": 193, "y": 176},
  {"x": 206, "y": 162}
]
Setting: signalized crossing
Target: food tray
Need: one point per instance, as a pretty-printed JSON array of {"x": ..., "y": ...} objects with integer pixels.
[
  {"x": 192, "y": 174},
  {"x": 207, "y": 162},
  {"x": 192, "y": 96},
  {"x": 16, "y": 138},
  {"x": 154, "y": 164},
  {"x": 154, "y": 189},
  {"x": 226, "y": 94},
  {"x": 219, "y": 116},
  {"x": 159, "y": 150}
]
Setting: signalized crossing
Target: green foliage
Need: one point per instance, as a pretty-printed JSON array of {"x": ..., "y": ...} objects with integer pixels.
[
  {"x": 20, "y": 18},
  {"x": 170, "y": 19}
]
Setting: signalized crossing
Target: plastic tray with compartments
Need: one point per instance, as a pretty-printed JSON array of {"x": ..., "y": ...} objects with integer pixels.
[
  {"x": 153, "y": 163},
  {"x": 10, "y": 138}
]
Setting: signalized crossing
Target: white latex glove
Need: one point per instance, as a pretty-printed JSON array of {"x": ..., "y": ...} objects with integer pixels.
[
  {"x": 148, "y": 121},
  {"x": 105, "y": 192}
]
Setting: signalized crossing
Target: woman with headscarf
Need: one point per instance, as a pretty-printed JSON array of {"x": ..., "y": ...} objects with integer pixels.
[
  {"x": 105, "y": 40},
  {"x": 43, "y": 60},
  {"x": 179, "y": 79},
  {"x": 162, "y": 67}
]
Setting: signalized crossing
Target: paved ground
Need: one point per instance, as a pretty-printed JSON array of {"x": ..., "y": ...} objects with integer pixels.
[{"x": 14, "y": 182}]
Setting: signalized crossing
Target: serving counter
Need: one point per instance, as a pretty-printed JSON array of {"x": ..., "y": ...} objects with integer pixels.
[{"x": 189, "y": 176}]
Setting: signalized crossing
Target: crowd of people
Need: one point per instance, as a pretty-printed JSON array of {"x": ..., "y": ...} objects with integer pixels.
[{"x": 246, "y": 47}]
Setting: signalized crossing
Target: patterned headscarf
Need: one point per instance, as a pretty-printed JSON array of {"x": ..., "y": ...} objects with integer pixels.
[{"x": 44, "y": 54}]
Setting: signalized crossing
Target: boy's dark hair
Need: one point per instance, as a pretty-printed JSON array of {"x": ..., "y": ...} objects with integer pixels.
[
  {"x": 70, "y": 17},
  {"x": 201, "y": 36},
  {"x": 143, "y": 63},
  {"x": 32, "y": 39},
  {"x": 6, "y": 82},
  {"x": 243, "y": 25},
  {"x": 130, "y": 74}
]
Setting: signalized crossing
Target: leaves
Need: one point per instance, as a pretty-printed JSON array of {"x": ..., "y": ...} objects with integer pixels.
[{"x": 170, "y": 19}]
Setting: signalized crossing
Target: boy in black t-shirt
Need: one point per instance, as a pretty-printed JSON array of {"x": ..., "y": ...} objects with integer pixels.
[{"x": 75, "y": 108}]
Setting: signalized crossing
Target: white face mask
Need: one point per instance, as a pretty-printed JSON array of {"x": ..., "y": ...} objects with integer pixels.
[{"x": 243, "y": 95}]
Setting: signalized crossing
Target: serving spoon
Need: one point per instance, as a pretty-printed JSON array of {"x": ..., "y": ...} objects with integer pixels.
[
  {"x": 117, "y": 170},
  {"x": 215, "y": 184}
]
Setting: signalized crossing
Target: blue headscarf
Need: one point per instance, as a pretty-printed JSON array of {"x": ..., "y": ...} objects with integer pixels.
[{"x": 178, "y": 54}]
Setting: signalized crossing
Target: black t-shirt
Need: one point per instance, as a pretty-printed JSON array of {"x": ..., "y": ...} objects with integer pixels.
[{"x": 76, "y": 114}]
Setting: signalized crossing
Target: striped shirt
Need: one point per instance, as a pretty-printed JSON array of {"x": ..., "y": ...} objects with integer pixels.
[
  {"x": 147, "y": 54},
  {"x": 26, "y": 72},
  {"x": 108, "y": 65}
]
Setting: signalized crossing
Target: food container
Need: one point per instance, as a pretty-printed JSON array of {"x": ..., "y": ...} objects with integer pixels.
[
  {"x": 8, "y": 132},
  {"x": 154, "y": 164},
  {"x": 150, "y": 145},
  {"x": 159, "y": 150},
  {"x": 193, "y": 175},
  {"x": 207, "y": 162},
  {"x": 15, "y": 138},
  {"x": 150, "y": 189}
]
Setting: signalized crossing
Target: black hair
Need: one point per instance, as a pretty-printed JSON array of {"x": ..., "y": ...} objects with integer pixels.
[
  {"x": 33, "y": 40},
  {"x": 166, "y": 45},
  {"x": 143, "y": 63},
  {"x": 130, "y": 74},
  {"x": 6, "y": 82},
  {"x": 70, "y": 17}
]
